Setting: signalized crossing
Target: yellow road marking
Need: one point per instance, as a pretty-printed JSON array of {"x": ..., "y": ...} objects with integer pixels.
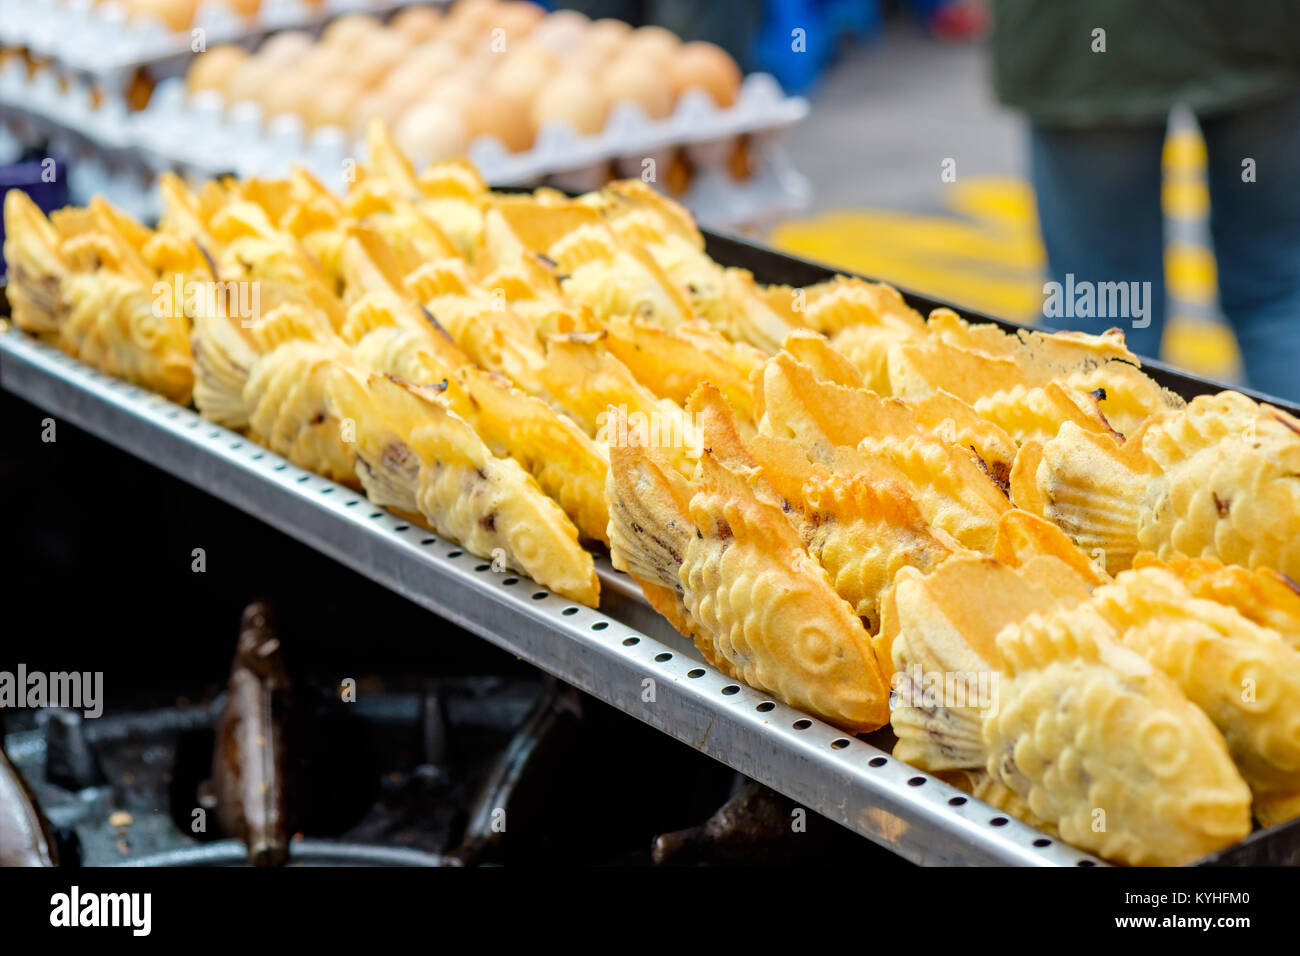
[
  {"x": 1207, "y": 348},
  {"x": 1181, "y": 199},
  {"x": 1190, "y": 273},
  {"x": 1184, "y": 152}
]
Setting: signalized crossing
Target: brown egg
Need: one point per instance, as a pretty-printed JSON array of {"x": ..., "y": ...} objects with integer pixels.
[
  {"x": 562, "y": 31},
  {"x": 287, "y": 47},
  {"x": 244, "y": 8},
  {"x": 524, "y": 72},
  {"x": 346, "y": 33},
  {"x": 653, "y": 43},
  {"x": 334, "y": 103},
  {"x": 519, "y": 18},
  {"x": 502, "y": 117},
  {"x": 574, "y": 99},
  {"x": 707, "y": 67},
  {"x": 418, "y": 23},
  {"x": 456, "y": 90},
  {"x": 288, "y": 90},
  {"x": 320, "y": 62},
  {"x": 173, "y": 14},
  {"x": 421, "y": 67},
  {"x": 248, "y": 80},
  {"x": 429, "y": 132},
  {"x": 214, "y": 68},
  {"x": 479, "y": 13},
  {"x": 467, "y": 36},
  {"x": 372, "y": 58},
  {"x": 640, "y": 81},
  {"x": 386, "y": 46},
  {"x": 607, "y": 32},
  {"x": 377, "y": 104}
]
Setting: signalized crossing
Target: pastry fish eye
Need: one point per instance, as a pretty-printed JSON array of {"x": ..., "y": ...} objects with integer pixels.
[
  {"x": 814, "y": 647},
  {"x": 1161, "y": 741},
  {"x": 524, "y": 544},
  {"x": 147, "y": 329}
]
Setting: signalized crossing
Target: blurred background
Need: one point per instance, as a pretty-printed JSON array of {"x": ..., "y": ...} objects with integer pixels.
[{"x": 863, "y": 133}]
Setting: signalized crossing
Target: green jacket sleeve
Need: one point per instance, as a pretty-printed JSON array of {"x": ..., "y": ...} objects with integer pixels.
[{"x": 1087, "y": 62}]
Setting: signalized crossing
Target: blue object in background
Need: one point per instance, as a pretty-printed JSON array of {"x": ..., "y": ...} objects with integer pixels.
[
  {"x": 45, "y": 183},
  {"x": 823, "y": 23}
]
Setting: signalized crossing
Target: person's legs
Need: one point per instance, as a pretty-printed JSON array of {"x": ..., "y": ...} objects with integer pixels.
[
  {"x": 1098, "y": 192},
  {"x": 1256, "y": 229}
]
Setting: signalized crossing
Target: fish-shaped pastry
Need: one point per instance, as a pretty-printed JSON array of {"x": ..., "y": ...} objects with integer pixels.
[
  {"x": 586, "y": 380},
  {"x": 1024, "y": 688},
  {"x": 83, "y": 282},
  {"x": 118, "y": 326},
  {"x": 862, "y": 319},
  {"x": 862, "y": 525},
  {"x": 945, "y": 621},
  {"x": 36, "y": 266},
  {"x": 1029, "y": 383},
  {"x": 450, "y": 195},
  {"x": 393, "y": 336},
  {"x": 415, "y": 454},
  {"x": 1217, "y": 479},
  {"x": 848, "y": 428},
  {"x": 1245, "y": 677},
  {"x": 1106, "y": 747},
  {"x": 728, "y": 569},
  {"x": 1084, "y": 365},
  {"x": 612, "y": 277},
  {"x": 1261, "y": 595},
  {"x": 673, "y": 362},
  {"x": 285, "y": 394}
]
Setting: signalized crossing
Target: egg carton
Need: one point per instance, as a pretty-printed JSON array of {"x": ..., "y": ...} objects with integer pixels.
[
  {"x": 199, "y": 129},
  {"x": 99, "y": 40},
  {"x": 121, "y": 150},
  {"x": 59, "y": 100}
]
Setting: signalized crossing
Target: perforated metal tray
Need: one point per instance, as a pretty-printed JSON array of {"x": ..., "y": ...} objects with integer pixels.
[{"x": 610, "y": 653}]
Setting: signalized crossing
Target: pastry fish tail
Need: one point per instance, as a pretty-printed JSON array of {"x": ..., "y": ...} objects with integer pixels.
[
  {"x": 649, "y": 523},
  {"x": 1090, "y": 486}
]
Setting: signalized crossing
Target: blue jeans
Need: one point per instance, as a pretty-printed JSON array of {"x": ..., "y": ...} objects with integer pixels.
[{"x": 1098, "y": 194}]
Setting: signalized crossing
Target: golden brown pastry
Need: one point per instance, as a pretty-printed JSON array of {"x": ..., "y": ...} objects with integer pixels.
[
  {"x": 1214, "y": 480},
  {"x": 416, "y": 455},
  {"x": 1245, "y": 677},
  {"x": 1107, "y": 748},
  {"x": 286, "y": 393},
  {"x": 850, "y": 429},
  {"x": 861, "y": 525},
  {"x": 1261, "y": 595},
  {"x": 728, "y": 569}
]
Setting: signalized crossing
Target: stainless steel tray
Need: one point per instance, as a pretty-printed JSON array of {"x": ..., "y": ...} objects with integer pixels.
[
  {"x": 611, "y": 653},
  {"x": 607, "y": 653}
]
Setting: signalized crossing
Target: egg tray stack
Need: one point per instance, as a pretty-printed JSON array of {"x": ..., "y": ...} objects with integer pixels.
[
  {"x": 531, "y": 98},
  {"x": 215, "y": 139},
  {"x": 108, "y": 40},
  {"x": 713, "y": 144},
  {"x": 74, "y": 73}
]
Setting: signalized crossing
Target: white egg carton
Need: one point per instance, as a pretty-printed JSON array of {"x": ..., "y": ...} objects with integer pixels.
[
  {"x": 201, "y": 137},
  {"x": 98, "y": 39},
  {"x": 204, "y": 132}
]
